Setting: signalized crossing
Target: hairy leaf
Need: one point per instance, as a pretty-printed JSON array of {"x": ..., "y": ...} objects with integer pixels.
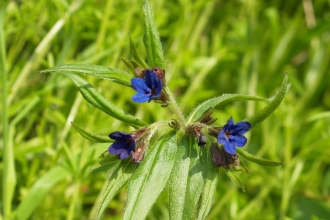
[
  {"x": 139, "y": 60},
  {"x": 187, "y": 181},
  {"x": 203, "y": 107},
  {"x": 256, "y": 159},
  {"x": 210, "y": 184},
  {"x": 270, "y": 108},
  {"x": 233, "y": 176},
  {"x": 97, "y": 100},
  {"x": 97, "y": 138},
  {"x": 106, "y": 163},
  {"x": 151, "y": 177},
  {"x": 151, "y": 38},
  {"x": 117, "y": 180},
  {"x": 102, "y": 72}
]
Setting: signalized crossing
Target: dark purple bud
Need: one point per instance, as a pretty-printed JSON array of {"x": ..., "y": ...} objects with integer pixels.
[
  {"x": 217, "y": 155},
  {"x": 200, "y": 137},
  {"x": 221, "y": 158}
]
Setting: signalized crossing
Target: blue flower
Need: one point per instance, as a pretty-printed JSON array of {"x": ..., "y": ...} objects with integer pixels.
[
  {"x": 232, "y": 135},
  {"x": 123, "y": 146},
  {"x": 147, "y": 89}
]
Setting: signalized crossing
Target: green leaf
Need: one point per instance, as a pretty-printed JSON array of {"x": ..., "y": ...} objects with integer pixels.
[
  {"x": 39, "y": 190},
  {"x": 151, "y": 177},
  {"x": 117, "y": 180},
  {"x": 151, "y": 38},
  {"x": 210, "y": 184},
  {"x": 270, "y": 108},
  {"x": 233, "y": 176},
  {"x": 211, "y": 103},
  {"x": 128, "y": 64},
  {"x": 102, "y": 72},
  {"x": 256, "y": 159},
  {"x": 186, "y": 181},
  {"x": 92, "y": 136},
  {"x": 136, "y": 55},
  {"x": 105, "y": 163},
  {"x": 97, "y": 100}
]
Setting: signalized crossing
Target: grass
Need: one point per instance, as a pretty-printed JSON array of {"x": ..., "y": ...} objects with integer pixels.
[{"x": 211, "y": 48}]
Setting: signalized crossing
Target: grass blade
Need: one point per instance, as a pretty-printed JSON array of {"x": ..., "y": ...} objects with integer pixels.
[
  {"x": 39, "y": 190},
  {"x": 9, "y": 175}
]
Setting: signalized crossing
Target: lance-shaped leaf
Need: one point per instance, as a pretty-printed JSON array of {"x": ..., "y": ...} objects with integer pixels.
[
  {"x": 117, "y": 180},
  {"x": 211, "y": 103},
  {"x": 97, "y": 138},
  {"x": 270, "y": 108},
  {"x": 151, "y": 38},
  {"x": 186, "y": 181},
  {"x": 151, "y": 177},
  {"x": 139, "y": 60},
  {"x": 210, "y": 184},
  {"x": 106, "y": 163},
  {"x": 102, "y": 72},
  {"x": 94, "y": 98},
  {"x": 233, "y": 176},
  {"x": 129, "y": 64},
  {"x": 256, "y": 159}
]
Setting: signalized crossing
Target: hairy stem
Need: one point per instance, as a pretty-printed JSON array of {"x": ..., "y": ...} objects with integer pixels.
[{"x": 175, "y": 108}]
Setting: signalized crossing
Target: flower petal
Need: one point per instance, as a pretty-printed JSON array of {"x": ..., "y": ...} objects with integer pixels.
[
  {"x": 238, "y": 141},
  {"x": 117, "y": 147},
  {"x": 229, "y": 147},
  {"x": 140, "y": 86},
  {"x": 229, "y": 125},
  {"x": 128, "y": 151},
  {"x": 140, "y": 97},
  {"x": 120, "y": 136},
  {"x": 159, "y": 87},
  {"x": 152, "y": 80},
  {"x": 240, "y": 128},
  {"x": 222, "y": 138}
]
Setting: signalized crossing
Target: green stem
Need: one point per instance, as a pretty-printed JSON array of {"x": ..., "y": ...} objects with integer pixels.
[{"x": 175, "y": 108}]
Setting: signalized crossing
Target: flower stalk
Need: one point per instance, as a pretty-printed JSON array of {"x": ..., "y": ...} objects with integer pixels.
[{"x": 175, "y": 108}]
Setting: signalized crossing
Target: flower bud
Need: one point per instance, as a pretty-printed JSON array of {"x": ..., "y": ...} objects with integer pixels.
[
  {"x": 138, "y": 155},
  {"x": 217, "y": 155},
  {"x": 221, "y": 158}
]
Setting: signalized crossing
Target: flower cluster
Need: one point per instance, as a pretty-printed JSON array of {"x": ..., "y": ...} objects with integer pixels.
[{"x": 149, "y": 86}]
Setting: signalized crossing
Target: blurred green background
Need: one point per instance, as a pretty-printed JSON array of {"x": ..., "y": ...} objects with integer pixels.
[{"x": 211, "y": 48}]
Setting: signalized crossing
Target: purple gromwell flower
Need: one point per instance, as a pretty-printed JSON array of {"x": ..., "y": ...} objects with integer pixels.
[
  {"x": 123, "y": 146},
  {"x": 147, "y": 89},
  {"x": 232, "y": 135}
]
